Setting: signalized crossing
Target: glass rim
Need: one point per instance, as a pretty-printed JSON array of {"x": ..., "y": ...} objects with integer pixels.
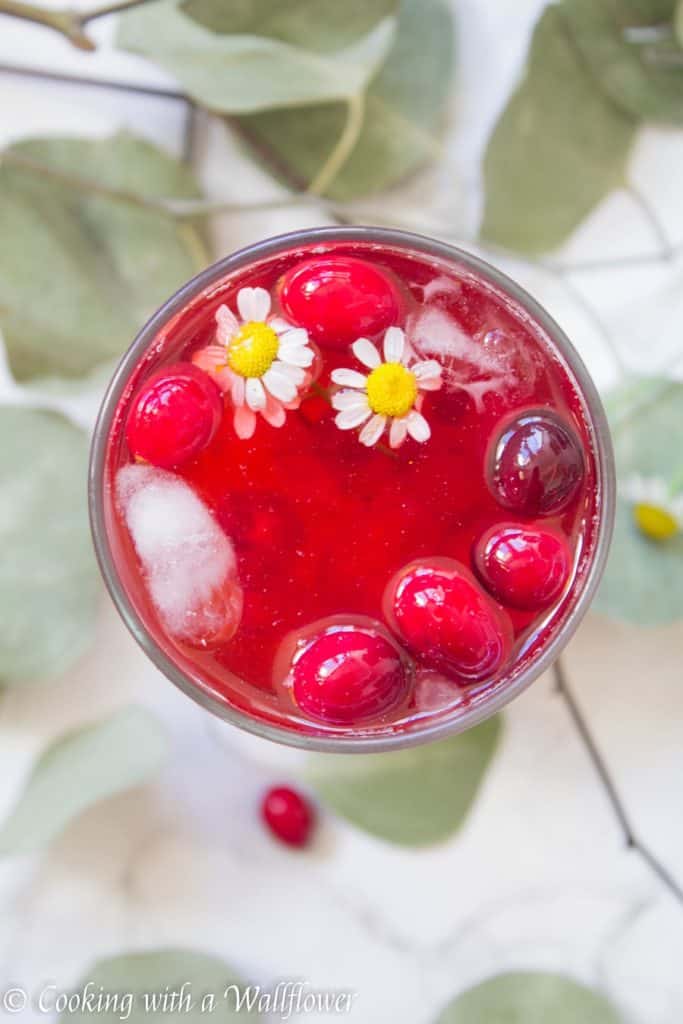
[{"x": 603, "y": 453}]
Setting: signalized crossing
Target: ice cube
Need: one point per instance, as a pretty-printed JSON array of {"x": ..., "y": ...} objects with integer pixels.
[
  {"x": 433, "y": 333},
  {"x": 441, "y": 286},
  {"x": 188, "y": 561},
  {"x": 493, "y": 362}
]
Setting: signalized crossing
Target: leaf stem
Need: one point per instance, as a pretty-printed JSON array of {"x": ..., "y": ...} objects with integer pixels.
[
  {"x": 68, "y": 23},
  {"x": 105, "y": 9},
  {"x": 343, "y": 147}
]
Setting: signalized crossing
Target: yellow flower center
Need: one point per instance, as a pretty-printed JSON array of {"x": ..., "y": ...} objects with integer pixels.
[
  {"x": 253, "y": 349},
  {"x": 392, "y": 390},
  {"x": 655, "y": 522}
]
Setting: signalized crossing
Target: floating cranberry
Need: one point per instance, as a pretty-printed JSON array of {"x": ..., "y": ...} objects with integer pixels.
[
  {"x": 537, "y": 465},
  {"x": 174, "y": 417},
  {"x": 522, "y": 566},
  {"x": 347, "y": 675},
  {"x": 447, "y": 621},
  {"x": 339, "y": 298},
  {"x": 288, "y": 815}
]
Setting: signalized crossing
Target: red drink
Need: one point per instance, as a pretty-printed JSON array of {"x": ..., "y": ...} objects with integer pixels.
[{"x": 380, "y": 531}]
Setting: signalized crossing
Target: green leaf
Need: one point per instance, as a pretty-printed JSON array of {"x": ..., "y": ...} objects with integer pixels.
[
  {"x": 81, "y": 271},
  {"x": 559, "y": 147},
  {"x": 410, "y": 797},
  {"x": 637, "y": 75},
  {"x": 322, "y": 26},
  {"x": 678, "y": 22},
  {"x": 48, "y": 577},
  {"x": 643, "y": 582},
  {"x": 140, "y": 977},
  {"x": 80, "y": 769},
  {"x": 529, "y": 997},
  {"x": 402, "y": 117},
  {"x": 249, "y": 70}
]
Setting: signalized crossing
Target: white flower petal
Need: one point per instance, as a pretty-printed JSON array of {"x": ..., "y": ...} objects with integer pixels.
[
  {"x": 350, "y": 400},
  {"x": 299, "y": 355},
  {"x": 296, "y": 374},
  {"x": 394, "y": 344},
  {"x": 349, "y": 378},
  {"x": 279, "y": 385},
  {"x": 366, "y": 353},
  {"x": 253, "y": 303},
  {"x": 418, "y": 428},
  {"x": 274, "y": 412},
  {"x": 372, "y": 431},
  {"x": 347, "y": 419},
  {"x": 398, "y": 432},
  {"x": 430, "y": 384},
  {"x": 645, "y": 489},
  {"x": 244, "y": 422},
  {"x": 294, "y": 336},
  {"x": 280, "y": 325},
  {"x": 227, "y": 324},
  {"x": 237, "y": 390},
  {"x": 426, "y": 368},
  {"x": 255, "y": 394},
  {"x": 212, "y": 360}
]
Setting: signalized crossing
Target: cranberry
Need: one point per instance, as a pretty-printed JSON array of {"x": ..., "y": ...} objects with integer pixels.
[
  {"x": 339, "y": 298},
  {"x": 348, "y": 674},
  {"x": 174, "y": 417},
  {"x": 447, "y": 621},
  {"x": 288, "y": 815},
  {"x": 537, "y": 466},
  {"x": 523, "y": 566}
]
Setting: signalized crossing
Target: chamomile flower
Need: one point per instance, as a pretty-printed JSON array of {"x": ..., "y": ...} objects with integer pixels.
[
  {"x": 261, "y": 360},
  {"x": 389, "y": 396},
  {"x": 656, "y": 511}
]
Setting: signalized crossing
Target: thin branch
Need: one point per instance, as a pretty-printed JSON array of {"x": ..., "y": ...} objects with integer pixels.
[
  {"x": 106, "y": 9},
  {"x": 630, "y": 836},
  {"x": 95, "y": 83},
  {"x": 66, "y": 23},
  {"x": 69, "y": 24},
  {"x": 189, "y": 132},
  {"x": 653, "y": 220}
]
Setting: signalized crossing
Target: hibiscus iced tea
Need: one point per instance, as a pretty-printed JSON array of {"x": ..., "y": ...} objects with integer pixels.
[{"x": 351, "y": 489}]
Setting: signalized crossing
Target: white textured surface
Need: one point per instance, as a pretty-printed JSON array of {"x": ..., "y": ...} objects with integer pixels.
[{"x": 541, "y": 875}]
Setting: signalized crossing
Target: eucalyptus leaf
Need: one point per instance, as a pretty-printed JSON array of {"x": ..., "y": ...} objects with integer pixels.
[
  {"x": 643, "y": 582},
  {"x": 323, "y": 26},
  {"x": 410, "y": 797},
  {"x": 637, "y": 74},
  {"x": 80, "y": 269},
  {"x": 48, "y": 577},
  {"x": 249, "y": 70},
  {"x": 167, "y": 986},
  {"x": 80, "y": 769},
  {"x": 529, "y": 997},
  {"x": 402, "y": 116},
  {"x": 559, "y": 147}
]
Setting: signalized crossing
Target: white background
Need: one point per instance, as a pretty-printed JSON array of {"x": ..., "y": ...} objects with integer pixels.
[{"x": 541, "y": 875}]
